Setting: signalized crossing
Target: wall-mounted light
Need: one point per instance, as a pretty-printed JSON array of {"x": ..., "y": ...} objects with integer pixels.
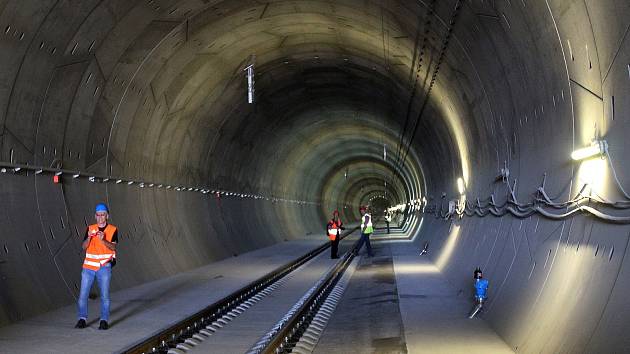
[{"x": 597, "y": 148}]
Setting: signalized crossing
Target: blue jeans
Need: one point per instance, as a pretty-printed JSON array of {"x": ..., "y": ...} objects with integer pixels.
[
  {"x": 365, "y": 238},
  {"x": 103, "y": 276}
]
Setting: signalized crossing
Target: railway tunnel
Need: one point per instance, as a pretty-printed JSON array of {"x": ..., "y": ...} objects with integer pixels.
[{"x": 462, "y": 116}]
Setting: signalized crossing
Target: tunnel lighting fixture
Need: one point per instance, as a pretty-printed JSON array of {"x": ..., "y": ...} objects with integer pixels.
[
  {"x": 190, "y": 188},
  {"x": 168, "y": 187},
  {"x": 3, "y": 170},
  {"x": 17, "y": 169},
  {"x": 92, "y": 179},
  {"x": 106, "y": 179},
  {"x": 118, "y": 181},
  {"x": 250, "y": 83},
  {"x": 597, "y": 148},
  {"x": 460, "y": 185},
  {"x": 76, "y": 175},
  {"x": 151, "y": 184},
  {"x": 141, "y": 185},
  {"x": 384, "y": 151},
  {"x": 39, "y": 171},
  {"x": 58, "y": 173},
  {"x": 129, "y": 183}
]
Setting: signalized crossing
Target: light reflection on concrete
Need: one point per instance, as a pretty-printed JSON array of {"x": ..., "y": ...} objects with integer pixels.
[
  {"x": 448, "y": 247},
  {"x": 593, "y": 172}
]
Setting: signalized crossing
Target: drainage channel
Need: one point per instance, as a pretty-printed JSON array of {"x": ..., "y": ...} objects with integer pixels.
[
  {"x": 299, "y": 330},
  {"x": 189, "y": 332}
]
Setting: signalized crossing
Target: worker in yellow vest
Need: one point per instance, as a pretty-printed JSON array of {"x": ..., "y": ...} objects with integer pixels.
[
  {"x": 366, "y": 230},
  {"x": 333, "y": 230},
  {"x": 99, "y": 244}
]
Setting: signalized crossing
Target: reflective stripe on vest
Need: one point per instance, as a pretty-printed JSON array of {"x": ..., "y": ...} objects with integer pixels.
[
  {"x": 97, "y": 254},
  {"x": 368, "y": 229},
  {"x": 333, "y": 231}
]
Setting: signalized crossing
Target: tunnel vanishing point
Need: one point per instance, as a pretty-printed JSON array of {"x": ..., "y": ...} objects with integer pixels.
[{"x": 496, "y": 128}]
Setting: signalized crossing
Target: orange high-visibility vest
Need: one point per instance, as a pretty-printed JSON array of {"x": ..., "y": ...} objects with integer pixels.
[
  {"x": 333, "y": 231},
  {"x": 97, "y": 254}
]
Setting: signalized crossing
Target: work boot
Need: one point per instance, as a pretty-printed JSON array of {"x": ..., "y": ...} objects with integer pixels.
[
  {"x": 103, "y": 325},
  {"x": 80, "y": 324}
]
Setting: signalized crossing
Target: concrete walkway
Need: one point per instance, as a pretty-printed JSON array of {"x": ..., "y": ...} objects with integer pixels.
[
  {"x": 434, "y": 315},
  {"x": 143, "y": 310}
]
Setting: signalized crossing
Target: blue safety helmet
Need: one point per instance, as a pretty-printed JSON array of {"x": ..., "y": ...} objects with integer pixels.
[{"x": 101, "y": 207}]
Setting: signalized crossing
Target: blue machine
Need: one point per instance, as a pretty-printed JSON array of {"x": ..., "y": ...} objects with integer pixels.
[
  {"x": 481, "y": 292},
  {"x": 481, "y": 288}
]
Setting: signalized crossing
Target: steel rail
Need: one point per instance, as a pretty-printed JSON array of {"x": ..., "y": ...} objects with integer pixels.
[{"x": 170, "y": 337}]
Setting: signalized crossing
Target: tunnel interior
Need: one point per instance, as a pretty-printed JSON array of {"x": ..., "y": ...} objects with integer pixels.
[{"x": 407, "y": 104}]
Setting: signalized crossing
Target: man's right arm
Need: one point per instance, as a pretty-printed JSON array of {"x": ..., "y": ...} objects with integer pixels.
[{"x": 86, "y": 240}]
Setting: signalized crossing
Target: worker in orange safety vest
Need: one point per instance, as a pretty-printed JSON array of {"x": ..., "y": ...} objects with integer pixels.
[
  {"x": 333, "y": 230},
  {"x": 99, "y": 244}
]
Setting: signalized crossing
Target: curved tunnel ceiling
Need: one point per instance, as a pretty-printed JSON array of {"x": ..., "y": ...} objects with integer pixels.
[
  {"x": 383, "y": 102},
  {"x": 306, "y": 61}
]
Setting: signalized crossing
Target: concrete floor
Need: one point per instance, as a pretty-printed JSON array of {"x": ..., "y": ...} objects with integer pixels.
[
  {"x": 434, "y": 313},
  {"x": 396, "y": 302},
  {"x": 143, "y": 310},
  {"x": 399, "y": 302}
]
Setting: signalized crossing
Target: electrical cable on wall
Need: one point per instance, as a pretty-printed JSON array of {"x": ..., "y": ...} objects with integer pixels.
[{"x": 539, "y": 204}]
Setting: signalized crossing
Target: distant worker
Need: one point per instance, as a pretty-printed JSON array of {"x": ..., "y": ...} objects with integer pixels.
[
  {"x": 481, "y": 290},
  {"x": 333, "y": 230},
  {"x": 366, "y": 230},
  {"x": 388, "y": 219},
  {"x": 99, "y": 244}
]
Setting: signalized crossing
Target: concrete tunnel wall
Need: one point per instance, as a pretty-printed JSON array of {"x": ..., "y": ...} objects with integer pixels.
[{"x": 154, "y": 91}]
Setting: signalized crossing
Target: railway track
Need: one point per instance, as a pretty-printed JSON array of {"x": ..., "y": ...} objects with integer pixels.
[{"x": 188, "y": 333}]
